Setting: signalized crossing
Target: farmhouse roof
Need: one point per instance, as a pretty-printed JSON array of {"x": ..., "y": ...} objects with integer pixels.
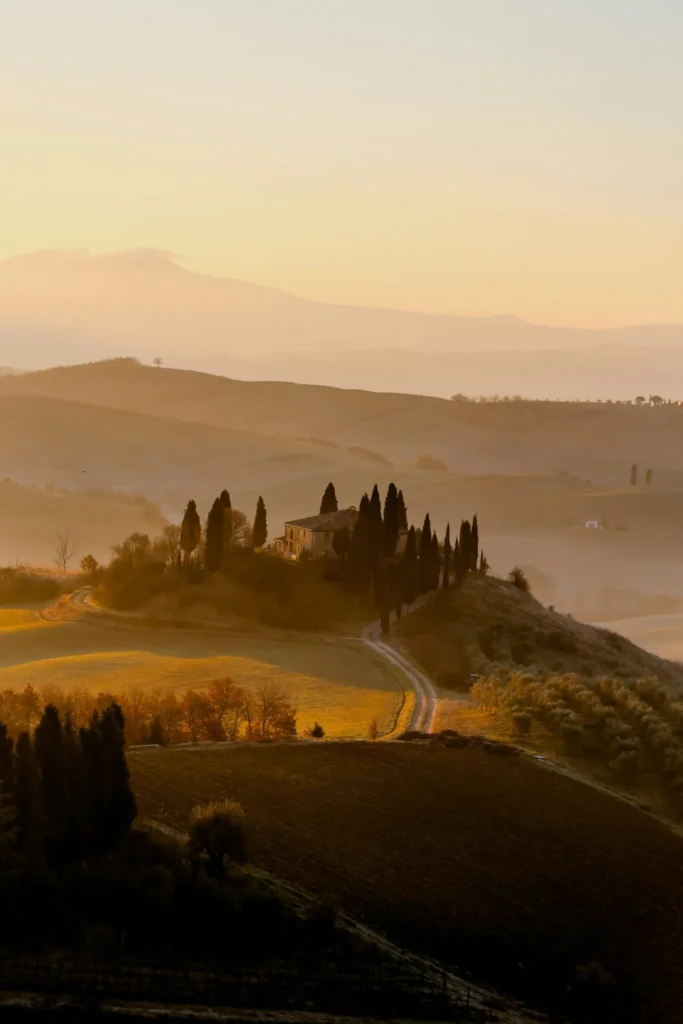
[{"x": 328, "y": 521}]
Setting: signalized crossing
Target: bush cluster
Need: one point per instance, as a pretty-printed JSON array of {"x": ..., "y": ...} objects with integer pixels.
[{"x": 627, "y": 727}]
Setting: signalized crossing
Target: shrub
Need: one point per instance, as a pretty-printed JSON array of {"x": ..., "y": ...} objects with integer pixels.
[
  {"x": 522, "y": 721},
  {"x": 518, "y": 579},
  {"x": 218, "y": 829},
  {"x": 317, "y": 732}
]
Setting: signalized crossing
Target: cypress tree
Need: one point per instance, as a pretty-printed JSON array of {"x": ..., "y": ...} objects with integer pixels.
[
  {"x": 457, "y": 562},
  {"x": 226, "y": 505},
  {"x": 474, "y": 544},
  {"x": 634, "y": 475},
  {"x": 410, "y": 575},
  {"x": 465, "y": 548},
  {"x": 50, "y": 753},
  {"x": 260, "y": 530},
  {"x": 190, "y": 531},
  {"x": 27, "y": 799},
  {"x": 435, "y": 564},
  {"x": 329, "y": 500},
  {"x": 213, "y": 548},
  {"x": 425, "y": 574},
  {"x": 402, "y": 514},
  {"x": 121, "y": 809},
  {"x": 447, "y": 554},
  {"x": 394, "y": 589},
  {"x": 376, "y": 527},
  {"x": 6, "y": 760},
  {"x": 391, "y": 525},
  {"x": 359, "y": 559}
]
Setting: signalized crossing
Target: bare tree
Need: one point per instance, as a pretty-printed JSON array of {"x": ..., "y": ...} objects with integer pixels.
[
  {"x": 158, "y": 361},
  {"x": 64, "y": 549}
]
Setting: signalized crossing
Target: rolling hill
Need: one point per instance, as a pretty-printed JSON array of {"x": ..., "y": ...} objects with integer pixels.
[{"x": 494, "y": 864}]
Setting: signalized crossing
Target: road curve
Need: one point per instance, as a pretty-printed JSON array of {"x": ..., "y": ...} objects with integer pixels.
[{"x": 426, "y": 700}]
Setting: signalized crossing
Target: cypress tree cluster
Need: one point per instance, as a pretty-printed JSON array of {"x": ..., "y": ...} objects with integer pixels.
[{"x": 70, "y": 791}]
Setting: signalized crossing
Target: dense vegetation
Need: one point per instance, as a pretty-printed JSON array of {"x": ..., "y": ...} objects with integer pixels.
[
  {"x": 74, "y": 872},
  {"x": 633, "y": 729},
  {"x": 21, "y": 587}
]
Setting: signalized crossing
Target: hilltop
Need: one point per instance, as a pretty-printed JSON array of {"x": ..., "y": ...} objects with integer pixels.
[{"x": 489, "y": 626}]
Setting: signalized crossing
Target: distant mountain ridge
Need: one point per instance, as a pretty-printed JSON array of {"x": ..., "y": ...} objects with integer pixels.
[{"x": 58, "y": 307}]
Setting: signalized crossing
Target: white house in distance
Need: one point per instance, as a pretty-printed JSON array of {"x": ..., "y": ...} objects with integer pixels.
[{"x": 315, "y": 533}]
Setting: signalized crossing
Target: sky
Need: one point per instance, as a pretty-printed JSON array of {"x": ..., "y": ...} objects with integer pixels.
[{"x": 478, "y": 157}]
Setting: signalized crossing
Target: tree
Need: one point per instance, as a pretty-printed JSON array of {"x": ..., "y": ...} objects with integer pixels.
[
  {"x": 260, "y": 530},
  {"x": 376, "y": 527},
  {"x": 425, "y": 563},
  {"x": 121, "y": 808},
  {"x": 391, "y": 523},
  {"x": 447, "y": 554},
  {"x": 64, "y": 549},
  {"x": 402, "y": 513},
  {"x": 158, "y": 362},
  {"x": 465, "y": 548},
  {"x": 133, "y": 552},
  {"x": 410, "y": 575},
  {"x": 648, "y": 478},
  {"x": 640, "y": 399},
  {"x": 214, "y": 537},
  {"x": 656, "y": 400},
  {"x": 6, "y": 759},
  {"x": 54, "y": 792},
  {"x": 329, "y": 501},
  {"x": 9, "y": 860},
  {"x": 190, "y": 531},
  {"x": 474, "y": 544},
  {"x": 340, "y": 545},
  {"x": 634, "y": 475},
  {"x": 435, "y": 564},
  {"x": 27, "y": 798},
  {"x": 517, "y": 577},
  {"x": 227, "y": 699},
  {"x": 219, "y": 830},
  {"x": 317, "y": 732},
  {"x": 274, "y": 715},
  {"x": 373, "y": 731},
  {"x": 90, "y": 567},
  {"x": 166, "y": 548},
  {"x": 483, "y": 565},
  {"x": 360, "y": 559}
]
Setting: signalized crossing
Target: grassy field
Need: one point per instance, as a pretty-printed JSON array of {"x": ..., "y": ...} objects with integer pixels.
[
  {"x": 492, "y": 863},
  {"x": 341, "y": 685}
]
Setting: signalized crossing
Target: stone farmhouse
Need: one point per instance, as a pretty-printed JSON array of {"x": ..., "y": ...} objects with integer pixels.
[{"x": 315, "y": 533}]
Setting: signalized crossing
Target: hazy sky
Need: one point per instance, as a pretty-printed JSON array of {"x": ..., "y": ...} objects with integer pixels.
[{"x": 465, "y": 156}]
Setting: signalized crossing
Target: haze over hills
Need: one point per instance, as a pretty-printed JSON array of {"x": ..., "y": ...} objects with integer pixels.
[
  {"x": 60, "y": 307},
  {"x": 534, "y": 472}
]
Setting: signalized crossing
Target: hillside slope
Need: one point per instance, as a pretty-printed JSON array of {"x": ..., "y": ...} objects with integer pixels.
[
  {"x": 489, "y": 626},
  {"x": 591, "y": 441},
  {"x": 493, "y": 864}
]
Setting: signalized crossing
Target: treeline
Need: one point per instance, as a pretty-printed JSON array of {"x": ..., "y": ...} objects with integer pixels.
[
  {"x": 631, "y": 728},
  {"x": 225, "y": 711}
]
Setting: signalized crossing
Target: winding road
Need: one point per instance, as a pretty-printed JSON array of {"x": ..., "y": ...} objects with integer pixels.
[{"x": 426, "y": 700}]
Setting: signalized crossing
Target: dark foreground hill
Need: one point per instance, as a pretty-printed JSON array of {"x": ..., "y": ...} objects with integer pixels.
[{"x": 492, "y": 863}]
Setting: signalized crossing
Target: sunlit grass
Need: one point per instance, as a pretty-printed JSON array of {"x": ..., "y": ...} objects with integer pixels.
[
  {"x": 15, "y": 620},
  {"x": 344, "y": 708}
]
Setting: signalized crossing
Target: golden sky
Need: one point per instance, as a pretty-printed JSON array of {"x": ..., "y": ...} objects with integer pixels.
[{"x": 513, "y": 156}]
